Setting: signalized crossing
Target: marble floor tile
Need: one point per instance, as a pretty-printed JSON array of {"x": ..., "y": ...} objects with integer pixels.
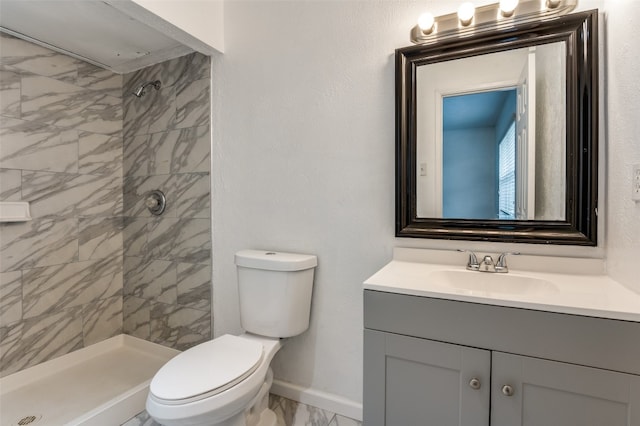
[
  {"x": 275, "y": 403},
  {"x": 292, "y": 413},
  {"x": 142, "y": 419},
  {"x": 339, "y": 420}
]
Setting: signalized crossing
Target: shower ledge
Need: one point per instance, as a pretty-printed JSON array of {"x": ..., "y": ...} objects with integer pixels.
[{"x": 14, "y": 211}]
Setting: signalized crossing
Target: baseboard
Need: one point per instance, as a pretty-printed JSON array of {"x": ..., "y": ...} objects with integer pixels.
[{"x": 326, "y": 401}]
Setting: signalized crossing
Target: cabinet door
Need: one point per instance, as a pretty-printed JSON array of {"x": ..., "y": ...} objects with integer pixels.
[
  {"x": 413, "y": 382},
  {"x": 548, "y": 393}
]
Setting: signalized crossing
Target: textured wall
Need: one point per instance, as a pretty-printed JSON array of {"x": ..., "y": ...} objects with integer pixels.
[
  {"x": 61, "y": 150},
  {"x": 304, "y": 161},
  {"x": 167, "y": 267},
  {"x": 551, "y": 129},
  {"x": 623, "y": 140}
]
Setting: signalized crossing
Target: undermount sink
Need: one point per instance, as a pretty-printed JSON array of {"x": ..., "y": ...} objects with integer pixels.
[{"x": 486, "y": 282}]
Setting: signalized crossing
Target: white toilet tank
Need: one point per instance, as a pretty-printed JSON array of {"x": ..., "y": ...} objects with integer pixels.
[{"x": 275, "y": 291}]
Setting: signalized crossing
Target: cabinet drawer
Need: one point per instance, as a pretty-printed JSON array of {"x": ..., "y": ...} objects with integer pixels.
[{"x": 596, "y": 342}]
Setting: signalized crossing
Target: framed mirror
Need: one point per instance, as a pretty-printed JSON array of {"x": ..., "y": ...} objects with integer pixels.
[{"x": 497, "y": 134}]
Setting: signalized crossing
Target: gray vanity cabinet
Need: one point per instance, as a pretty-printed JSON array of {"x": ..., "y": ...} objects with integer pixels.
[
  {"x": 414, "y": 381},
  {"x": 537, "y": 392},
  {"x": 437, "y": 362}
]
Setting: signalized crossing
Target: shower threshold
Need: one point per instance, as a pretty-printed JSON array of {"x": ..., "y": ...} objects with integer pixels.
[{"x": 102, "y": 384}]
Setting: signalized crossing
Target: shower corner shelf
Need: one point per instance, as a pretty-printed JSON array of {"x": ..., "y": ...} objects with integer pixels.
[{"x": 14, "y": 211}]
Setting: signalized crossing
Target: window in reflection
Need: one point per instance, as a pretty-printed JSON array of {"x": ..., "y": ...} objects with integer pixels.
[{"x": 507, "y": 174}]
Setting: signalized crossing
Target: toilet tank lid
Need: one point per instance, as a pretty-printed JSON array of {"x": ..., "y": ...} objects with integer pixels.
[{"x": 275, "y": 261}]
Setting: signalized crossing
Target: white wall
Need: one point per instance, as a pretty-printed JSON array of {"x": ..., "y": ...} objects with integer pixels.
[
  {"x": 623, "y": 148},
  {"x": 550, "y": 128},
  {"x": 304, "y": 161}
]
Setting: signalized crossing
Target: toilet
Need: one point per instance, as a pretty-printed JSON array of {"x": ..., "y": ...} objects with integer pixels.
[{"x": 226, "y": 381}]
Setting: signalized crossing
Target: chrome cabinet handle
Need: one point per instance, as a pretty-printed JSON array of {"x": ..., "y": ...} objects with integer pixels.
[
  {"x": 475, "y": 383},
  {"x": 507, "y": 390}
]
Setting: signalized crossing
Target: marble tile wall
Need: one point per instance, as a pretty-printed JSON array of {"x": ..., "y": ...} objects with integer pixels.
[
  {"x": 61, "y": 274},
  {"x": 167, "y": 259},
  {"x": 288, "y": 413}
]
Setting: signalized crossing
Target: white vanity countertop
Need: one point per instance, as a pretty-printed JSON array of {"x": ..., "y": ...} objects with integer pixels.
[{"x": 585, "y": 292}]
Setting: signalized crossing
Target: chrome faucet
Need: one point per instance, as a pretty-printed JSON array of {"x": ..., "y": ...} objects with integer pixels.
[
  {"x": 501, "y": 265},
  {"x": 487, "y": 264},
  {"x": 472, "y": 263}
]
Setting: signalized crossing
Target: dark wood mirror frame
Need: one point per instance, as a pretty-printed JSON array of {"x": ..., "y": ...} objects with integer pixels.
[{"x": 580, "y": 33}]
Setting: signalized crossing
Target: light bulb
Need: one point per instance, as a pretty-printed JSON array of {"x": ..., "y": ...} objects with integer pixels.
[
  {"x": 466, "y": 12},
  {"x": 426, "y": 22},
  {"x": 507, "y": 7}
]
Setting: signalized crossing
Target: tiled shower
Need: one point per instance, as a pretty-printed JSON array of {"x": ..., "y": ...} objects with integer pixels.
[
  {"x": 83, "y": 151},
  {"x": 167, "y": 258}
]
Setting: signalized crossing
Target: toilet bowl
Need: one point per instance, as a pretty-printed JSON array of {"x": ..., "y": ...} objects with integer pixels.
[
  {"x": 213, "y": 382},
  {"x": 226, "y": 381}
]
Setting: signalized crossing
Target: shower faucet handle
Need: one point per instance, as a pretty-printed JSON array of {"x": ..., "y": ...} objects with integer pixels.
[
  {"x": 156, "y": 202},
  {"x": 151, "y": 202}
]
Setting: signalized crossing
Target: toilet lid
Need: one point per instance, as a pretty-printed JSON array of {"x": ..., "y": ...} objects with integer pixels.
[{"x": 212, "y": 366}]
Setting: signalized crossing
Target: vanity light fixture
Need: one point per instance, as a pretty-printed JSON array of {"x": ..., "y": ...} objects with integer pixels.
[
  {"x": 469, "y": 19},
  {"x": 507, "y": 7},
  {"x": 426, "y": 22},
  {"x": 465, "y": 13}
]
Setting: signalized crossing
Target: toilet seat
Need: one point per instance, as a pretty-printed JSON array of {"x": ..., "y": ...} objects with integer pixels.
[{"x": 206, "y": 370}]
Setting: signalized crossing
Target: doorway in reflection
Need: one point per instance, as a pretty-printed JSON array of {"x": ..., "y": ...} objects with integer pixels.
[{"x": 479, "y": 155}]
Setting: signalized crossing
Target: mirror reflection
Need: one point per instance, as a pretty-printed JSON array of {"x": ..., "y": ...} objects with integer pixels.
[
  {"x": 491, "y": 136},
  {"x": 478, "y": 155}
]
